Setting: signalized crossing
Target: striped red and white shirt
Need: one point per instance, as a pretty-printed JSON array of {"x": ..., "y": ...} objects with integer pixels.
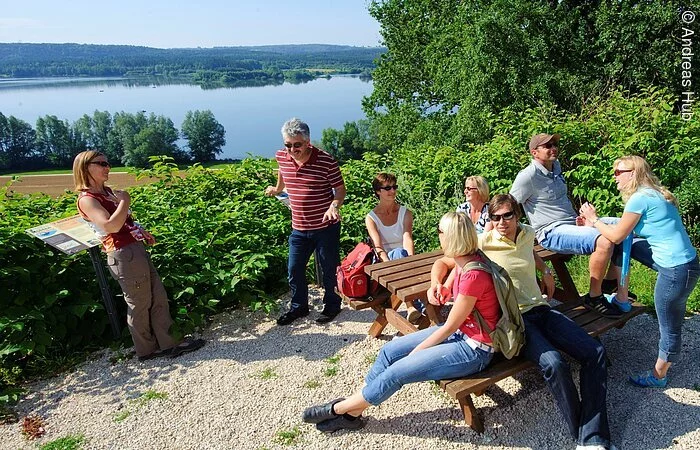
[{"x": 310, "y": 187}]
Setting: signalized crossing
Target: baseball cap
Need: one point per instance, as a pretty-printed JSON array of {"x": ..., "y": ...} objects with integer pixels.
[{"x": 543, "y": 138}]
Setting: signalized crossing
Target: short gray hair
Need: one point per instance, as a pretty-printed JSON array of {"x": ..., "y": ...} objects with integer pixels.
[{"x": 295, "y": 127}]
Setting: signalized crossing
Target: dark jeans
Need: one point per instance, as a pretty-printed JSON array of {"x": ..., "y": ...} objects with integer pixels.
[
  {"x": 547, "y": 330},
  {"x": 301, "y": 245},
  {"x": 671, "y": 292}
]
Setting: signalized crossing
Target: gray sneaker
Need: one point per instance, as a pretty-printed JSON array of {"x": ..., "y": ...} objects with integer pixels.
[{"x": 340, "y": 423}]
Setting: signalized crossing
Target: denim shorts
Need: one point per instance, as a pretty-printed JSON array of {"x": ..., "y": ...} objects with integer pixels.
[{"x": 574, "y": 239}]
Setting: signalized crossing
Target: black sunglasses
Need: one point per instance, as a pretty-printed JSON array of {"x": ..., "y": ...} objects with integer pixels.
[
  {"x": 388, "y": 188},
  {"x": 505, "y": 216},
  {"x": 295, "y": 145},
  {"x": 548, "y": 145},
  {"x": 439, "y": 230},
  {"x": 101, "y": 163}
]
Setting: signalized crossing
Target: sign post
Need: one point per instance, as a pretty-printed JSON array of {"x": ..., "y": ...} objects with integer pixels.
[{"x": 72, "y": 235}]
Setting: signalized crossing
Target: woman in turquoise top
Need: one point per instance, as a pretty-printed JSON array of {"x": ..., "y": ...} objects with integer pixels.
[{"x": 651, "y": 211}]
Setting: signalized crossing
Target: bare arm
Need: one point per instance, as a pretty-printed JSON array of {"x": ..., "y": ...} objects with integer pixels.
[
  {"x": 271, "y": 191},
  {"x": 98, "y": 215},
  {"x": 408, "y": 233},
  {"x": 614, "y": 233},
  {"x": 547, "y": 277},
  {"x": 373, "y": 232},
  {"x": 464, "y": 305},
  {"x": 437, "y": 274},
  {"x": 333, "y": 213}
]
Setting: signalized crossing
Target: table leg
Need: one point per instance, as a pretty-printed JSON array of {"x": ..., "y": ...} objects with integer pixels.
[
  {"x": 379, "y": 323},
  {"x": 567, "y": 283}
]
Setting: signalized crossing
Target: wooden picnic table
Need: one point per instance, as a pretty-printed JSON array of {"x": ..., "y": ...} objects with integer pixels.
[{"x": 407, "y": 279}]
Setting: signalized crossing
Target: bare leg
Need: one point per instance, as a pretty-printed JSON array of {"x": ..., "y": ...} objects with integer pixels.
[
  {"x": 598, "y": 265},
  {"x": 353, "y": 405},
  {"x": 661, "y": 368}
]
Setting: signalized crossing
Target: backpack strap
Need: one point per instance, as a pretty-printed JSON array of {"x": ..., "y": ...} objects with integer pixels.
[{"x": 479, "y": 265}]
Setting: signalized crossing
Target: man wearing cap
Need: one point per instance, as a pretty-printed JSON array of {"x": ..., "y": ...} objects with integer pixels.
[{"x": 541, "y": 190}]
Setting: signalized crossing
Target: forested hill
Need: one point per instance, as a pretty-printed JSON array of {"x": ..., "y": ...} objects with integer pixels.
[{"x": 31, "y": 60}]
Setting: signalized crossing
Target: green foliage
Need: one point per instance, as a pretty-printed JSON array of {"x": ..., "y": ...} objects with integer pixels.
[
  {"x": 205, "y": 136},
  {"x": 288, "y": 437},
  {"x": 454, "y": 64},
  {"x": 349, "y": 143},
  {"x": 267, "y": 373},
  {"x": 70, "y": 442},
  {"x": 312, "y": 384}
]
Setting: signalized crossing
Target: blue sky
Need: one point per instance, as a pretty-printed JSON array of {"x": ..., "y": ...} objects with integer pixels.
[{"x": 187, "y": 23}]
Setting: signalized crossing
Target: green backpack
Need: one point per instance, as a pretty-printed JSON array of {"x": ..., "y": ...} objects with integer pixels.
[{"x": 509, "y": 335}]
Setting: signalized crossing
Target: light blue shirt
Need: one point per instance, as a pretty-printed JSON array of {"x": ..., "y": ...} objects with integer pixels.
[
  {"x": 662, "y": 227},
  {"x": 544, "y": 197}
]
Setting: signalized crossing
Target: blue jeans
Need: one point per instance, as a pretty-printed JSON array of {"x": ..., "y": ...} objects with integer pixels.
[
  {"x": 393, "y": 367},
  {"x": 547, "y": 331},
  {"x": 301, "y": 245},
  {"x": 671, "y": 292},
  {"x": 397, "y": 253},
  {"x": 574, "y": 239}
]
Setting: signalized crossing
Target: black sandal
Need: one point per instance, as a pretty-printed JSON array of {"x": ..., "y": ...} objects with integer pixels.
[{"x": 186, "y": 346}]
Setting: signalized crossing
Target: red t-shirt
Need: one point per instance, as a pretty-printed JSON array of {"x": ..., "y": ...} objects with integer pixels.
[
  {"x": 310, "y": 187},
  {"x": 479, "y": 284}
]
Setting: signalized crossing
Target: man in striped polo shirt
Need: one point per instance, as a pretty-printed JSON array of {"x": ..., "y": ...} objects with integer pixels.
[{"x": 316, "y": 192}]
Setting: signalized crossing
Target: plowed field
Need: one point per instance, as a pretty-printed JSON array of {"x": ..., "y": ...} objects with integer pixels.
[{"x": 56, "y": 185}]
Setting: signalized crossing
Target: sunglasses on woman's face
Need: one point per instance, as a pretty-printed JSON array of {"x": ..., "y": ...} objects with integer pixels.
[
  {"x": 471, "y": 189},
  {"x": 439, "y": 230},
  {"x": 388, "y": 188},
  {"x": 505, "y": 216},
  {"x": 101, "y": 163},
  {"x": 619, "y": 172},
  {"x": 295, "y": 145}
]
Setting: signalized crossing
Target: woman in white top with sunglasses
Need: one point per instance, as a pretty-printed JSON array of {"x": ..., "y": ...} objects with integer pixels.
[{"x": 389, "y": 224}]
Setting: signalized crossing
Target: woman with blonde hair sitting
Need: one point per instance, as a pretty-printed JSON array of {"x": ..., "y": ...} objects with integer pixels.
[
  {"x": 476, "y": 207},
  {"x": 651, "y": 212},
  {"x": 452, "y": 350}
]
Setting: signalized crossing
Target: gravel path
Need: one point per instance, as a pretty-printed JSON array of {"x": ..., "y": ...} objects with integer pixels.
[{"x": 247, "y": 387}]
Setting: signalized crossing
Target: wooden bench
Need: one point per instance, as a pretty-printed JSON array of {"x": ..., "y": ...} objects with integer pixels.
[
  {"x": 500, "y": 368},
  {"x": 408, "y": 279}
]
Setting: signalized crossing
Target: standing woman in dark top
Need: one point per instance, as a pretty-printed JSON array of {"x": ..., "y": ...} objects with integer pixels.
[{"x": 108, "y": 214}]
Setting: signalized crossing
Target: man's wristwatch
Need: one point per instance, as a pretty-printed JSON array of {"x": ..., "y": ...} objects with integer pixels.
[
  {"x": 335, "y": 206},
  {"x": 547, "y": 271}
]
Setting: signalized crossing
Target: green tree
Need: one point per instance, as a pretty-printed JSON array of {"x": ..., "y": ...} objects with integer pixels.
[
  {"x": 95, "y": 131},
  {"x": 143, "y": 138},
  {"x": 205, "y": 135},
  {"x": 457, "y": 63},
  {"x": 16, "y": 142},
  {"x": 349, "y": 143},
  {"x": 56, "y": 142}
]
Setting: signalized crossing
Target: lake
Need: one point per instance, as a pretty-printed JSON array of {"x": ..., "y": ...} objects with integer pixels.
[{"x": 252, "y": 116}]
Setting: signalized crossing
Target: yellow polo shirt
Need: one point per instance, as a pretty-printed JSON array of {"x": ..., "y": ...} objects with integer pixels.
[{"x": 517, "y": 259}]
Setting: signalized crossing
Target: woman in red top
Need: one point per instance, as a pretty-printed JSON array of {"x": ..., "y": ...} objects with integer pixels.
[
  {"x": 455, "y": 349},
  {"x": 108, "y": 214}
]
